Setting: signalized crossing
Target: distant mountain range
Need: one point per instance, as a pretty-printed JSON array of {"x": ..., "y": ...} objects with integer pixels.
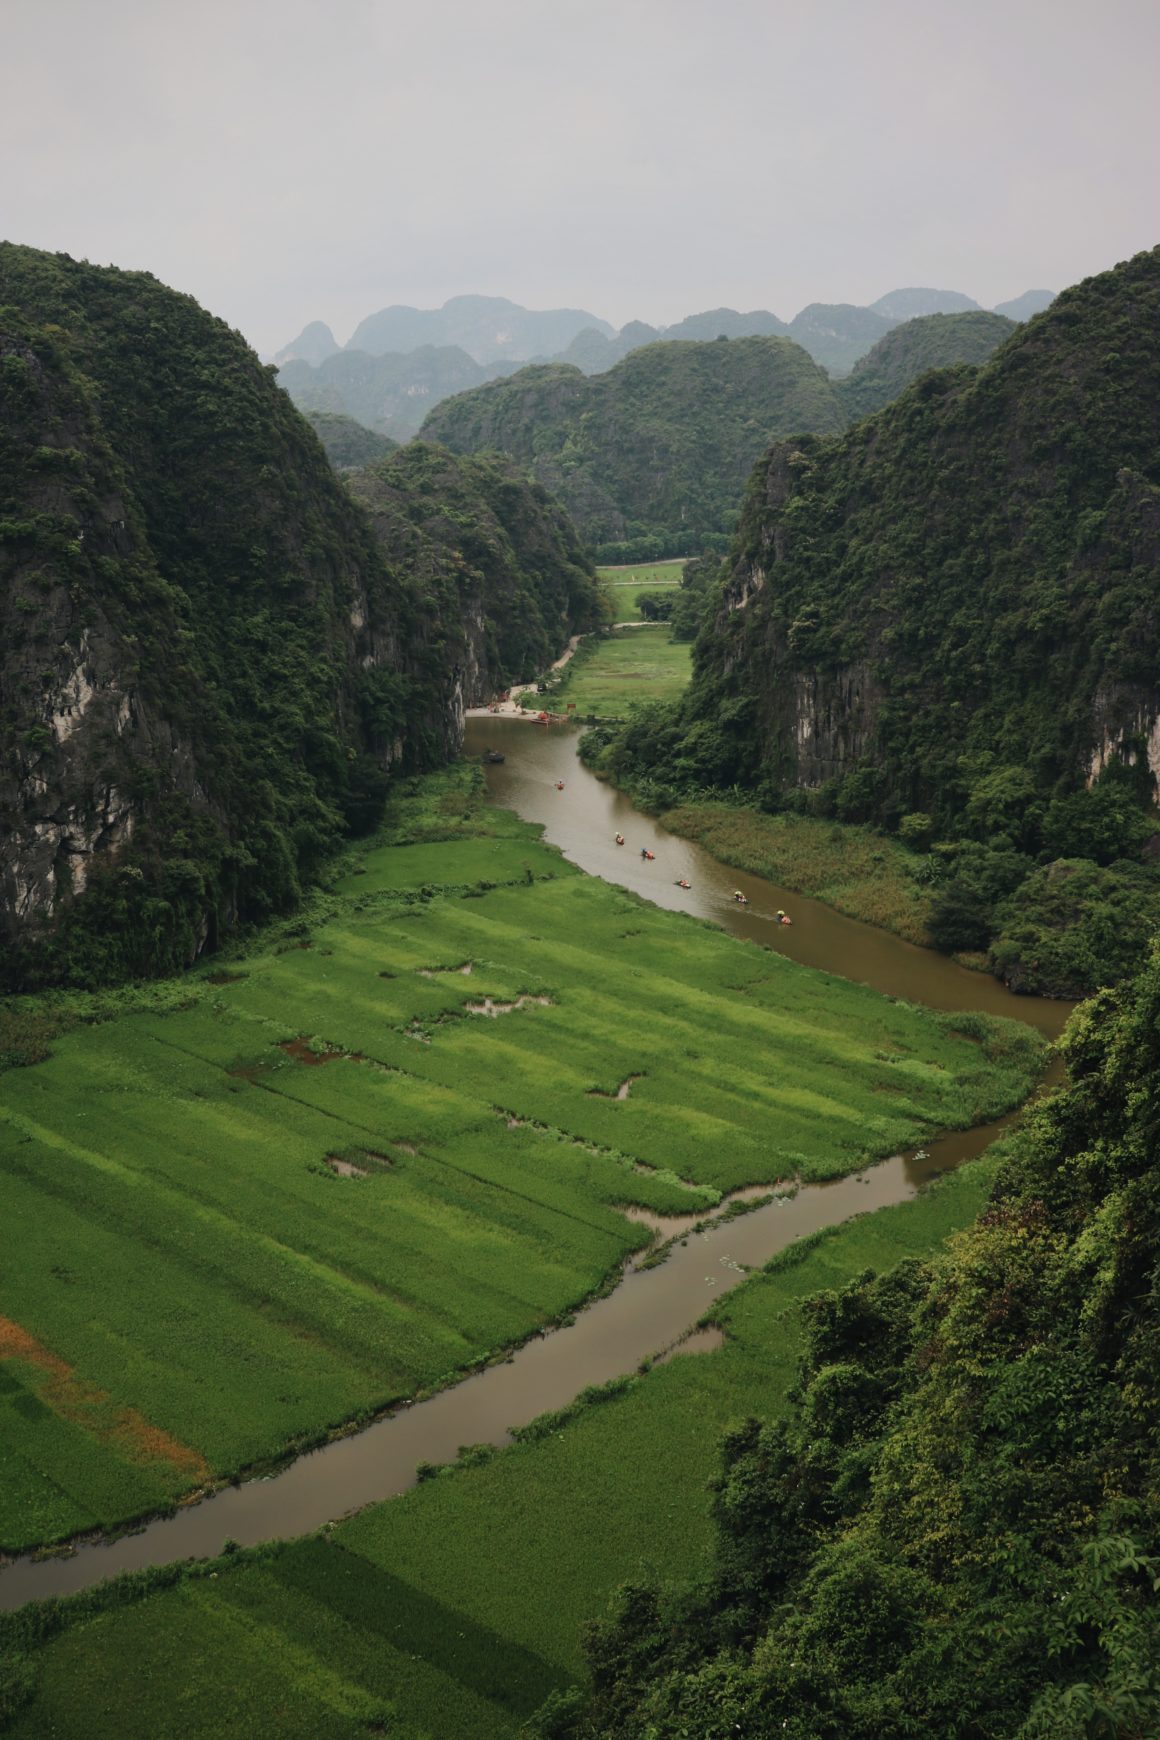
[
  {"x": 650, "y": 456},
  {"x": 402, "y": 361},
  {"x": 493, "y": 329}
]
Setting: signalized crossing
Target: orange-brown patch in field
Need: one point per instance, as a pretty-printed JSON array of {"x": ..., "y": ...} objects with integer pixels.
[{"x": 93, "y": 1410}]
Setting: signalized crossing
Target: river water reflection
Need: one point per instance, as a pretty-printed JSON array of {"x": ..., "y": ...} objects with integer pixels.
[
  {"x": 652, "y": 1309},
  {"x": 585, "y": 817}
]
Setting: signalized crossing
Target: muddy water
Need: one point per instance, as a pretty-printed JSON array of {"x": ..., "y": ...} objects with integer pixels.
[
  {"x": 652, "y": 1311},
  {"x": 585, "y": 817}
]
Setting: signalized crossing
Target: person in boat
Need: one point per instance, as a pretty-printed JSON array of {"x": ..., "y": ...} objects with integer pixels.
[
  {"x": 681, "y": 882},
  {"x": 620, "y": 839},
  {"x": 782, "y": 917},
  {"x": 740, "y": 898}
]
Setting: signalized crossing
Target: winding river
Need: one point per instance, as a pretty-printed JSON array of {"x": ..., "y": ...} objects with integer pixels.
[{"x": 652, "y": 1311}]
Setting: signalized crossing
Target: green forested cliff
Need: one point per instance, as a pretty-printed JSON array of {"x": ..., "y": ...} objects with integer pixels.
[
  {"x": 958, "y": 1532},
  {"x": 348, "y": 445},
  {"x": 473, "y": 530},
  {"x": 948, "y": 620},
  {"x": 208, "y": 665},
  {"x": 652, "y": 456},
  {"x": 935, "y": 341}
]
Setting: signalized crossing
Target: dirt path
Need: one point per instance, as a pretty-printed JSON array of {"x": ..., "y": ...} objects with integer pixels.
[{"x": 511, "y": 707}]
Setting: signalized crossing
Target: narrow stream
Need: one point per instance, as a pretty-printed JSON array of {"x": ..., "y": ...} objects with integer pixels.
[{"x": 652, "y": 1311}]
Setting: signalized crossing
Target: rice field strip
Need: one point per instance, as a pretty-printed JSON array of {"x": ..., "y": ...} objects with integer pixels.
[
  {"x": 325, "y": 1272},
  {"x": 428, "y": 1153}
]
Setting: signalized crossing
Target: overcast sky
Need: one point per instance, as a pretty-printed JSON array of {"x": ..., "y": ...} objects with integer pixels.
[{"x": 288, "y": 160}]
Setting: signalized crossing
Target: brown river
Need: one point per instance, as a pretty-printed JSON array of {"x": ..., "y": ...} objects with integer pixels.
[{"x": 652, "y": 1312}]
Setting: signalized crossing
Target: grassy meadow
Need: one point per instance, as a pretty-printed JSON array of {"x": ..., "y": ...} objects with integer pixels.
[
  {"x": 453, "y": 1611},
  {"x": 855, "y": 869},
  {"x": 623, "y": 585},
  {"x": 611, "y": 672},
  {"x": 204, "y": 1146}
]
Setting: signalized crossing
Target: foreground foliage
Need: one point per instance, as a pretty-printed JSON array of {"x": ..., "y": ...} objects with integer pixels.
[{"x": 958, "y": 1530}]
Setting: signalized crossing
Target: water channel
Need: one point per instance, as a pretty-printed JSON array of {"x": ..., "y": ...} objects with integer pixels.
[{"x": 652, "y": 1311}]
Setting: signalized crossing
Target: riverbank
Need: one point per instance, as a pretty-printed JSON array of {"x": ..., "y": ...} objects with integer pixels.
[
  {"x": 456, "y": 1608},
  {"x": 282, "y": 1157},
  {"x": 852, "y": 868},
  {"x": 610, "y": 673}
]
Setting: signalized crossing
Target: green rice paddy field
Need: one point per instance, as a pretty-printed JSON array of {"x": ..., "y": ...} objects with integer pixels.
[
  {"x": 272, "y": 1299},
  {"x": 452, "y": 1612},
  {"x": 610, "y": 672},
  {"x": 624, "y": 584}
]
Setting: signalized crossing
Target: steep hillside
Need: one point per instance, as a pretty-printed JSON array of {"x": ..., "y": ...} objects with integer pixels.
[
  {"x": 912, "y": 304},
  {"x": 489, "y": 328},
  {"x": 347, "y": 444},
  {"x": 958, "y": 1531},
  {"x": 473, "y": 529},
  {"x": 390, "y": 394},
  {"x": 952, "y": 612},
  {"x": 207, "y": 666},
  {"x": 656, "y": 450},
  {"x": 728, "y": 323},
  {"x": 1023, "y": 307},
  {"x": 836, "y": 334},
  {"x": 935, "y": 341},
  {"x": 313, "y": 345}
]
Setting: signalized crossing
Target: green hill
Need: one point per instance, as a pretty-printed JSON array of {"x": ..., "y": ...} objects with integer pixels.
[
  {"x": 935, "y": 341},
  {"x": 347, "y": 444},
  {"x": 389, "y": 394},
  {"x": 651, "y": 456},
  {"x": 208, "y": 666},
  {"x": 1023, "y": 307},
  {"x": 951, "y": 613},
  {"x": 836, "y": 334},
  {"x": 957, "y": 1532},
  {"x": 913, "y": 303},
  {"x": 473, "y": 528},
  {"x": 489, "y": 328}
]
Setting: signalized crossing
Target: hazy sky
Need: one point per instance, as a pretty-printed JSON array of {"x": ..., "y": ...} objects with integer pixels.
[{"x": 285, "y": 160}]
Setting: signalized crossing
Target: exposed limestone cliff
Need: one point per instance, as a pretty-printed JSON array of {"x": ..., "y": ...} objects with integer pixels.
[
  {"x": 971, "y": 573},
  {"x": 208, "y": 665}
]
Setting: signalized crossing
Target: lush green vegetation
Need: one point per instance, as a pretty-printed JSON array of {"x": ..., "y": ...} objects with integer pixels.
[
  {"x": 347, "y": 444},
  {"x": 209, "y": 665},
  {"x": 943, "y": 622},
  {"x": 957, "y": 1530},
  {"x": 623, "y": 586},
  {"x": 855, "y": 869},
  {"x": 470, "y": 529},
  {"x": 190, "y": 1146},
  {"x": 651, "y": 457},
  {"x": 389, "y": 394},
  {"x": 611, "y": 673},
  {"x": 938, "y": 341},
  {"x": 456, "y": 1609}
]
